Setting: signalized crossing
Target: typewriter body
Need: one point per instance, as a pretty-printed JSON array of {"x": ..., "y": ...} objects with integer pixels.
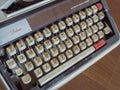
[{"x": 46, "y": 44}]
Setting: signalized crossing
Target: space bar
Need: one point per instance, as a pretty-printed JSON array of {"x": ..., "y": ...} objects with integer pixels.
[{"x": 43, "y": 80}]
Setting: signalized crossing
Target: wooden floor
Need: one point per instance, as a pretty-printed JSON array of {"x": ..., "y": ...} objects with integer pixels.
[{"x": 105, "y": 74}]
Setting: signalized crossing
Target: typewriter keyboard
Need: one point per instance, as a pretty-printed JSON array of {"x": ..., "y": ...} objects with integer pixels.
[{"x": 43, "y": 55}]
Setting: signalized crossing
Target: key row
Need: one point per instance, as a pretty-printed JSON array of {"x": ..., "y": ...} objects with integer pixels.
[{"x": 48, "y": 45}]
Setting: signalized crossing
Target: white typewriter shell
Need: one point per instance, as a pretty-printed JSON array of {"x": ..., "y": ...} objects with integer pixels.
[{"x": 5, "y": 17}]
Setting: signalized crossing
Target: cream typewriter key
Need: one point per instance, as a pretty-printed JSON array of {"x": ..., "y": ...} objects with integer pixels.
[
  {"x": 55, "y": 40},
  {"x": 62, "y": 58},
  {"x": 47, "y": 44},
  {"x": 95, "y": 37},
  {"x": 95, "y": 9},
  {"x": 46, "y": 56},
  {"x": 47, "y": 32},
  {"x": 39, "y": 48},
  {"x": 37, "y": 61},
  {"x": 100, "y": 25},
  {"x": 76, "y": 18},
  {"x": 11, "y": 50},
  {"x": 95, "y": 18},
  {"x": 54, "y": 51},
  {"x": 83, "y": 45},
  {"x": 46, "y": 67},
  {"x": 18, "y": 71},
  {"x": 30, "y": 41},
  {"x": 89, "y": 11},
  {"x": 101, "y": 15},
  {"x": 54, "y": 29},
  {"x": 11, "y": 63},
  {"x": 62, "y": 47},
  {"x": 29, "y": 66},
  {"x": 76, "y": 39},
  {"x": 38, "y": 36},
  {"x": 21, "y": 58},
  {"x": 21, "y": 45},
  {"x": 95, "y": 28},
  {"x": 54, "y": 62},
  {"x": 83, "y": 25},
  {"x": 38, "y": 72},
  {"x": 30, "y": 53},
  {"x": 82, "y": 15},
  {"x": 89, "y": 32},
  {"x": 68, "y": 43},
  {"x": 62, "y": 25},
  {"x": 70, "y": 32},
  {"x": 69, "y": 53},
  {"x": 63, "y": 36},
  {"x": 76, "y": 28},
  {"x": 101, "y": 34},
  {"x": 82, "y": 35},
  {"x": 107, "y": 30},
  {"x": 89, "y": 22},
  {"x": 26, "y": 79},
  {"x": 76, "y": 49},
  {"x": 69, "y": 21},
  {"x": 89, "y": 41}
]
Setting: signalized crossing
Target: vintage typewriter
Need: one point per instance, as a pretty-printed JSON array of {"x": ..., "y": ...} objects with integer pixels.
[{"x": 46, "y": 43}]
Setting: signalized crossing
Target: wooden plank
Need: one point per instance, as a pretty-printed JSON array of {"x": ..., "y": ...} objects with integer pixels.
[{"x": 82, "y": 83}]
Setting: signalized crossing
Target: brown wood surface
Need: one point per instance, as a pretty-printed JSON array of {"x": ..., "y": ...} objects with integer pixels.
[{"x": 105, "y": 74}]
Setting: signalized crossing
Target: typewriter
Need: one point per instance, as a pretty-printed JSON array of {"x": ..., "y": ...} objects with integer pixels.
[{"x": 46, "y": 43}]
